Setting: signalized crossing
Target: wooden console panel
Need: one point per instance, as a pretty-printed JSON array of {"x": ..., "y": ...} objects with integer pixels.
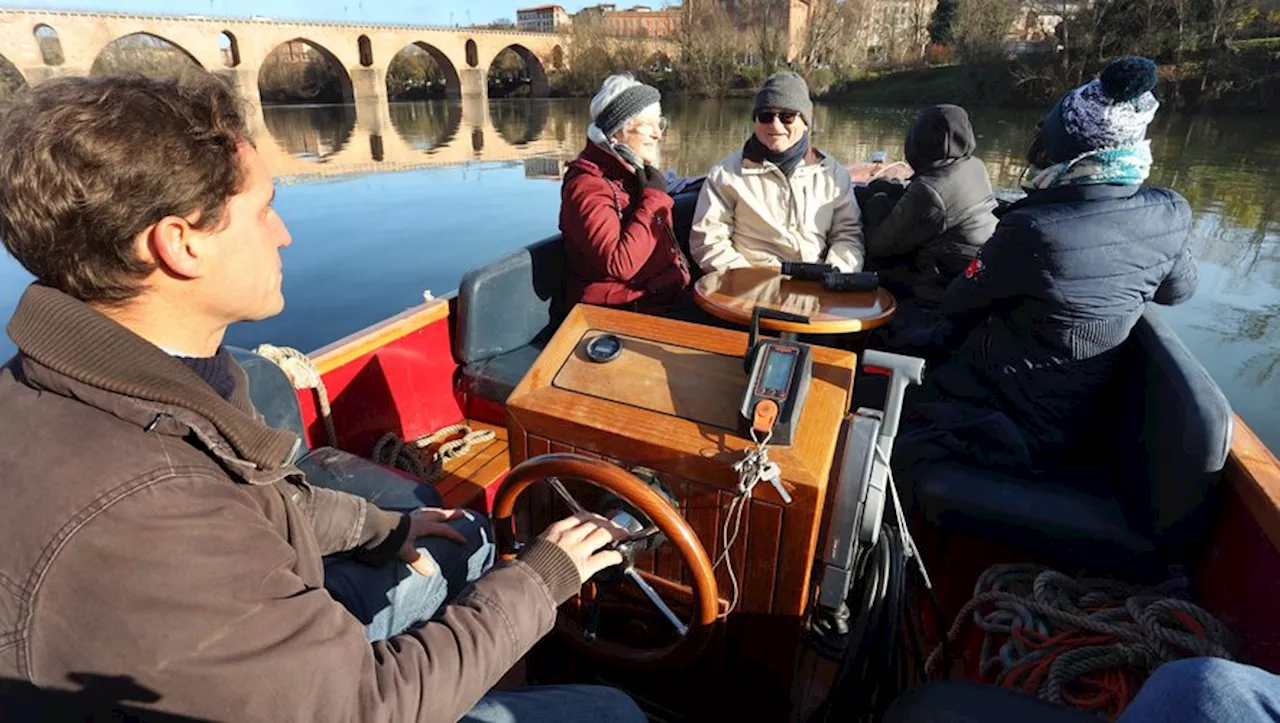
[{"x": 669, "y": 403}]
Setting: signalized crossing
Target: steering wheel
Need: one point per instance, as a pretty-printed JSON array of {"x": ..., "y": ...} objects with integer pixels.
[{"x": 663, "y": 518}]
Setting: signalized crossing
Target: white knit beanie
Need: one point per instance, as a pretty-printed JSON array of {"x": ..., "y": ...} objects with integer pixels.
[{"x": 620, "y": 98}]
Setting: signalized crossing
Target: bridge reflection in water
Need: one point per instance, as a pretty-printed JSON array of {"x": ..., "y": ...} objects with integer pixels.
[{"x": 300, "y": 143}]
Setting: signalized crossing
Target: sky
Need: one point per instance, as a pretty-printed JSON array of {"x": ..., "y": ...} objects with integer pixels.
[{"x": 414, "y": 12}]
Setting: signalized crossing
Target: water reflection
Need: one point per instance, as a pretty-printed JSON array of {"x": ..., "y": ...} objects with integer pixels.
[
  {"x": 315, "y": 132},
  {"x": 520, "y": 122},
  {"x": 427, "y": 126}
]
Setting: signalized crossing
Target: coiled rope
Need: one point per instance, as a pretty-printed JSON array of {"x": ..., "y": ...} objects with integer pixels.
[
  {"x": 423, "y": 460},
  {"x": 1088, "y": 643},
  {"x": 302, "y": 374}
]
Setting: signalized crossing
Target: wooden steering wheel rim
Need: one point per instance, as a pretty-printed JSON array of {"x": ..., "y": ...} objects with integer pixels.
[{"x": 643, "y": 497}]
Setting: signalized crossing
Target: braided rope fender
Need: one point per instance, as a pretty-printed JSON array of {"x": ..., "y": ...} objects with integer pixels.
[{"x": 302, "y": 374}]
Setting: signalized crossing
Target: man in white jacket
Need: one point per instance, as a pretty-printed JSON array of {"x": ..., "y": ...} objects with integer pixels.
[{"x": 778, "y": 198}]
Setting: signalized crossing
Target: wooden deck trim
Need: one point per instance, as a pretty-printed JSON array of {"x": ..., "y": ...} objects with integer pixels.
[
  {"x": 1254, "y": 473},
  {"x": 370, "y": 339},
  {"x": 478, "y": 469}
]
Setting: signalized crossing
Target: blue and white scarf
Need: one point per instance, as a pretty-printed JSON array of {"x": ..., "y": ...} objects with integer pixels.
[{"x": 1129, "y": 165}]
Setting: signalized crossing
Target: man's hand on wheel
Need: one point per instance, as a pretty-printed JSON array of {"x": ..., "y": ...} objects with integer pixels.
[{"x": 583, "y": 536}]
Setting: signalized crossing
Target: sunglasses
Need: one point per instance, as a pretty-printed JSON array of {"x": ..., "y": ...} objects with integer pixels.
[{"x": 767, "y": 116}]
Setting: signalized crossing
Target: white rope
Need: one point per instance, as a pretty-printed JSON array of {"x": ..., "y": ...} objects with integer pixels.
[{"x": 302, "y": 374}]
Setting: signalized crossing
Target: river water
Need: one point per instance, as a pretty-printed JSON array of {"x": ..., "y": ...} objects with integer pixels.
[{"x": 386, "y": 203}]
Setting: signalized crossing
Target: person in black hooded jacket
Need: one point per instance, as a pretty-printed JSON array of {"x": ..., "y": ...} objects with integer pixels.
[
  {"x": 1035, "y": 325},
  {"x": 944, "y": 217}
]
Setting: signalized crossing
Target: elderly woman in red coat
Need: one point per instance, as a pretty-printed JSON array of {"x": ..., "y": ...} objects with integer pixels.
[{"x": 615, "y": 213}]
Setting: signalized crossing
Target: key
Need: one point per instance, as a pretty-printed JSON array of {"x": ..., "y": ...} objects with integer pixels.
[{"x": 770, "y": 472}]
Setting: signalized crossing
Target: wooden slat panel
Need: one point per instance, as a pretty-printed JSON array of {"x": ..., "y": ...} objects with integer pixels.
[
  {"x": 762, "y": 557},
  {"x": 518, "y": 439},
  {"x": 537, "y": 497},
  {"x": 669, "y": 564},
  {"x": 463, "y": 469},
  {"x": 703, "y": 514},
  {"x": 470, "y": 491}
]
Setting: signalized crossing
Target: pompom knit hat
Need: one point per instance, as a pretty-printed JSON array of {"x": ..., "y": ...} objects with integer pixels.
[{"x": 1110, "y": 111}]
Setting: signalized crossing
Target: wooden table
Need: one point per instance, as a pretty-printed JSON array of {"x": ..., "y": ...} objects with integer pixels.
[
  {"x": 669, "y": 403},
  {"x": 731, "y": 295}
]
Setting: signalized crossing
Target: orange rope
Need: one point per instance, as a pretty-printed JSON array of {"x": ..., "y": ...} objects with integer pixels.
[{"x": 1107, "y": 691}]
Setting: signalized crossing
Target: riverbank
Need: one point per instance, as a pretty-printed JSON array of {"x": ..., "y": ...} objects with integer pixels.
[{"x": 1248, "y": 81}]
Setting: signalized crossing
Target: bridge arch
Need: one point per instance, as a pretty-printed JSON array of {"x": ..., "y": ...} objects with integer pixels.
[
  {"x": 303, "y": 71},
  {"x": 416, "y": 61},
  {"x": 537, "y": 72},
  {"x": 50, "y": 45},
  {"x": 229, "y": 49},
  {"x": 146, "y": 54}
]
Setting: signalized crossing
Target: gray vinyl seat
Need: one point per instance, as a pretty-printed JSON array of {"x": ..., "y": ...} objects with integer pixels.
[{"x": 277, "y": 401}]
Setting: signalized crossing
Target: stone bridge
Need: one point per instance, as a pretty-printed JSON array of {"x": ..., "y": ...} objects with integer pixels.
[
  {"x": 237, "y": 48},
  {"x": 374, "y": 144}
]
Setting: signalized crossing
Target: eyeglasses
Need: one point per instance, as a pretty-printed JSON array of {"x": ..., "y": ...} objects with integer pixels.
[
  {"x": 767, "y": 116},
  {"x": 661, "y": 125}
]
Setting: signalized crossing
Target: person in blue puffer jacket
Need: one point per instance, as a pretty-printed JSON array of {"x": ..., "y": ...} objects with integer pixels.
[{"x": 1036, "y": 322}]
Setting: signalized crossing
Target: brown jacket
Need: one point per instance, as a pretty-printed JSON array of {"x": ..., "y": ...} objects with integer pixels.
[{"x": 153, "y": 530}]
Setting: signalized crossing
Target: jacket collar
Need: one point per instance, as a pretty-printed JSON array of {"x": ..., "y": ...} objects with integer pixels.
[
  {"x": 1068, "y": 194},
  {"x": 812, "y": 159},
  {"x": 605, "y": 163},
  {"x": 71, "y": 349}
]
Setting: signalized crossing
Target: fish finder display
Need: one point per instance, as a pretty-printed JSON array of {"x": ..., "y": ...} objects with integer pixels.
[{"x": 778, "y": 366}]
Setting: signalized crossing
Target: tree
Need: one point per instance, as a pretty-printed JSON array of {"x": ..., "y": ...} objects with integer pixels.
[
  {"x": 414, "y": 75},
  {"x": 710, "y": 46},
  {"x": 942, "y": 25}
]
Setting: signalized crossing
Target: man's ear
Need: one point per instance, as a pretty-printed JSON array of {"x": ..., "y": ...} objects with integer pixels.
[{"x": 174, "y": 246}]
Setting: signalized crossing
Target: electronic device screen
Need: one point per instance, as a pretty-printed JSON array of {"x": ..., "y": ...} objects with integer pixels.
[
  {"x": 778, "y": 365},
  {"x": 604, "y": 348}
]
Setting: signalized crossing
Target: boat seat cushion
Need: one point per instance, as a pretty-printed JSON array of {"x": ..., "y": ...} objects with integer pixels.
[
  {"x": 272, "y": 394},
  {"x": 1154, "y": 502},
  {"x": 385, "y": 487},
  {"x": 1069, "y": 515},
  {"x": 496, "y": 377},
  {"x": 507, "y": 303},
  {"x": 274, "y": 397},
  {"x": 963, "y": 701},
  {"x": 682, "y": 221},
  {"x": 1175, "y": 435}
]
